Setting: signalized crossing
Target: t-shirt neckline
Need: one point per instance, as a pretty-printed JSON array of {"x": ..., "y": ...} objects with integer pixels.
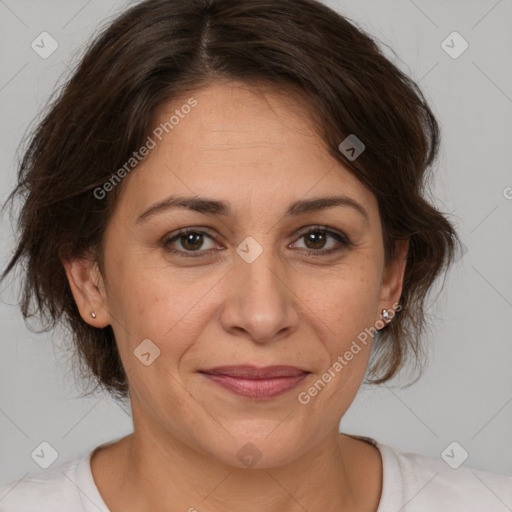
[{"x": 391, "y": 492}]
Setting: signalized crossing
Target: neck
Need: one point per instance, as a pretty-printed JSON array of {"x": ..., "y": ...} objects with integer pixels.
[{"x": 152, "y": 473}]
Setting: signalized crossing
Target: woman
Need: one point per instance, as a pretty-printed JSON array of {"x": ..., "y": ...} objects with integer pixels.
[{"x": 226, "y": 206}]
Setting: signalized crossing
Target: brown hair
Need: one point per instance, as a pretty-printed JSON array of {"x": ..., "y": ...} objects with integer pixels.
[{"x": 159, "y": 49}]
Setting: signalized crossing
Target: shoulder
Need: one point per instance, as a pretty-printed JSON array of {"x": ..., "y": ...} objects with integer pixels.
[
  {"x": 422, "y": 483},
  {"x": 64, "y": 488},
  {"x": 52, "y": 490}
]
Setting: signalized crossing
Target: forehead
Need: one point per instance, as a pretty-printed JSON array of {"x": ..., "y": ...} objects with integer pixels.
[
  {"x": 240, "y": 141},
  {"x": 242, "y": 119}
]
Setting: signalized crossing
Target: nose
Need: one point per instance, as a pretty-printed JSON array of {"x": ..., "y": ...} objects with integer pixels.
[{"x": 261, "y": 303}]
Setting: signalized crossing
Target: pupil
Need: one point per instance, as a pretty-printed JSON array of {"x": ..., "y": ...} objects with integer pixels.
[
  {"x": 317, "y": 238},
  {"x": 189, "y": 241}
]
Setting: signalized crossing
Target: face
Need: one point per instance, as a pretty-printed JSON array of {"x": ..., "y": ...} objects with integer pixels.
[{"x": 268, "y": 277}]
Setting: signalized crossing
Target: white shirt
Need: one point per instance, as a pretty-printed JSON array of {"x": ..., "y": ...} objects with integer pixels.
[{"x": 411, "y": 483}]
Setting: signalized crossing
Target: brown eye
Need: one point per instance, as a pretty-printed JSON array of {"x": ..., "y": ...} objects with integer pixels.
[
  {"x": 188, "y": 241},
  {"x": 191, "y": 241},
  {"x": 316, "y": 239}
]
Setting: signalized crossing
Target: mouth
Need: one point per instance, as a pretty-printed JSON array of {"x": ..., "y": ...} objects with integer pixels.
[{"x": 253, "y": 382}]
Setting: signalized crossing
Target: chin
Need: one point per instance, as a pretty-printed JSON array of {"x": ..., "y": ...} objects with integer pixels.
[{"x": 259, "y": 446}]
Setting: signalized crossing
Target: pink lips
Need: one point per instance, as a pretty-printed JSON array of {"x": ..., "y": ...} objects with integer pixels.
[{"x": 253, "y": 382}]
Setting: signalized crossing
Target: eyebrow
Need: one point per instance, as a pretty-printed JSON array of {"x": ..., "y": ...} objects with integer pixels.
[{"x": 220, "y": 208}]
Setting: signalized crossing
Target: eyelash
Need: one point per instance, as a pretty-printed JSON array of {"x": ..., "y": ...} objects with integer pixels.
[{"x": 340, "y": 237}]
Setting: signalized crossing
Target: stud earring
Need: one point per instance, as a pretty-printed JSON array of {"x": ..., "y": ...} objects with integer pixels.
[
  {"x": 93, "y": 314},
  {"x": 386, "y": 316}
]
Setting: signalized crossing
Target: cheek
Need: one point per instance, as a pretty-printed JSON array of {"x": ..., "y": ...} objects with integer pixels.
[
  {"x": 150, "y": 302},
  {"x": 344, "y": 309},
  {"x": 346, "y": 300}
]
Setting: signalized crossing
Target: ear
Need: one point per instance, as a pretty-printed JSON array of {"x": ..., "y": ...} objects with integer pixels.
[
  {"x": 88, "y": 289},
  {"x": 393, "y": 278}
]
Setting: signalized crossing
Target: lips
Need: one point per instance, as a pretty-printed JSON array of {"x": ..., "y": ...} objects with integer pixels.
[
  {"x": 253, "y": 382},
  {"x": 253, "y": 372}
]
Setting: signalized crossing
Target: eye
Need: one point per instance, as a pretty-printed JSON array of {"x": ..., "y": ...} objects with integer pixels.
[
  {"x": 316, "y": 239},
  {"x": 191, "y": 241}
]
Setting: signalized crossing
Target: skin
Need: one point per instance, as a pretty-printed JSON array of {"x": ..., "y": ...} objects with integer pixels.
[{"x": 255, "y": 149}]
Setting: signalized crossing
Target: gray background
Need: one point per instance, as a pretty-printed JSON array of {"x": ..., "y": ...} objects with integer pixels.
[{"x": 465, "y": 394}]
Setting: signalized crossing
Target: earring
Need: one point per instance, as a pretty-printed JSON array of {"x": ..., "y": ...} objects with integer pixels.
[
  {"x": 386, "y": 316},
  {"x": 93, "y": 314}
]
